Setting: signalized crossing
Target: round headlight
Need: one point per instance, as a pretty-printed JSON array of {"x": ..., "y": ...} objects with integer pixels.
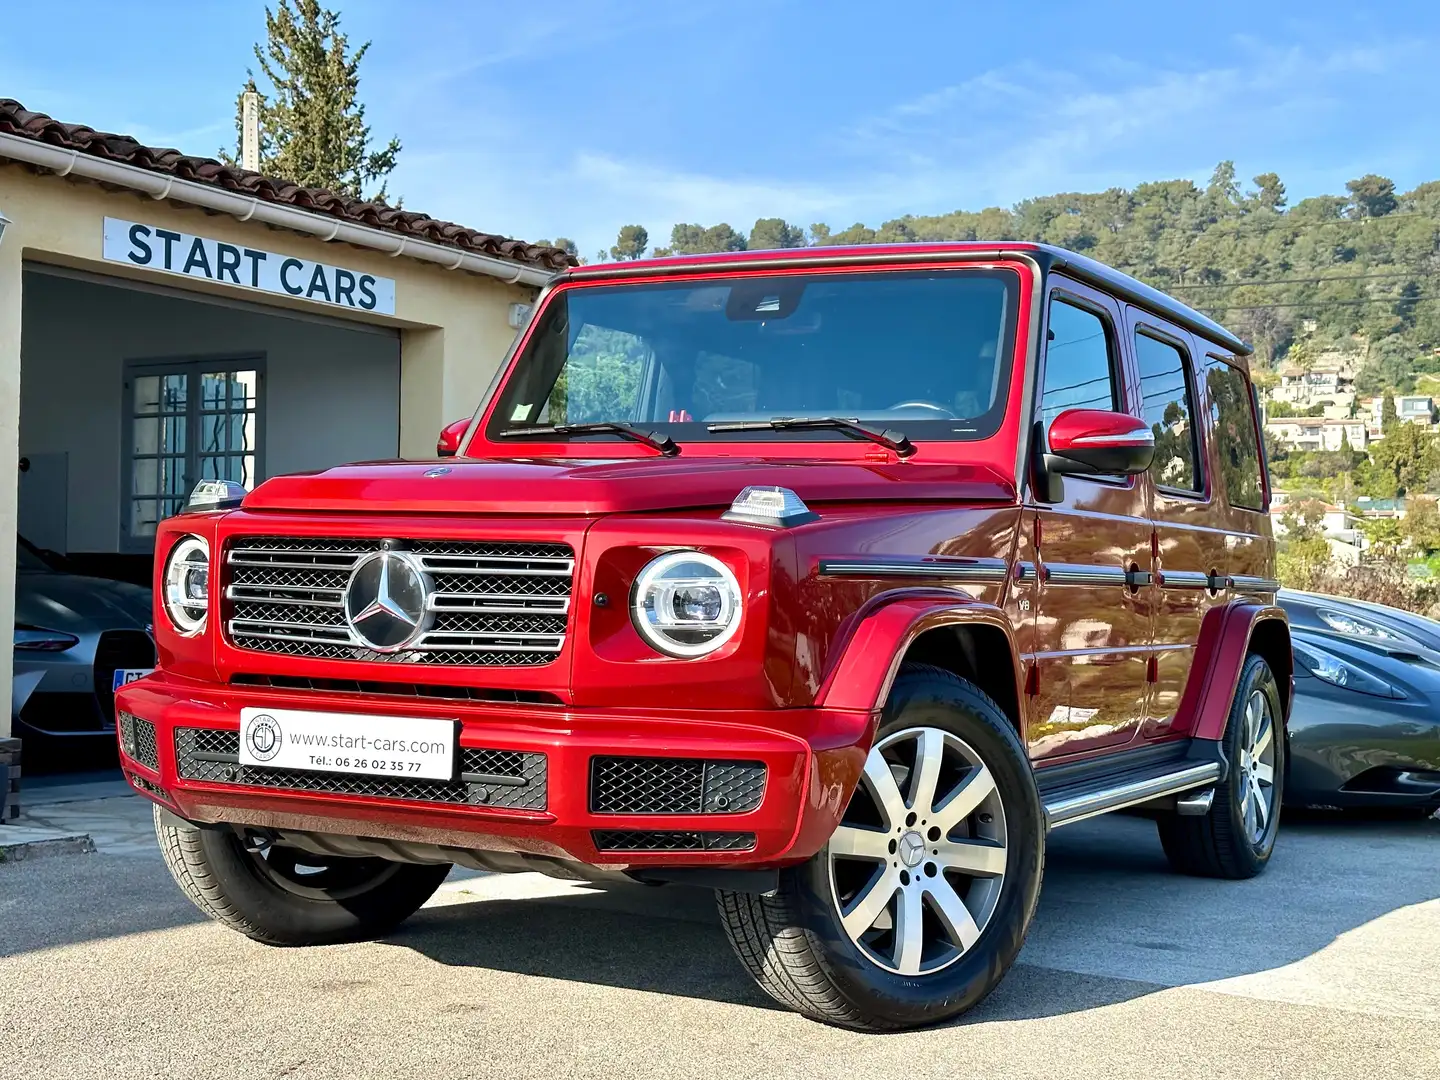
[
  {"x": 686, "y": 604},
  {"x": 187, "y": 584}
]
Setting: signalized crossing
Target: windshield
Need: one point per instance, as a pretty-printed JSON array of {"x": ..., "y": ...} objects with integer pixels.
[{"x": 926, "y": 352}]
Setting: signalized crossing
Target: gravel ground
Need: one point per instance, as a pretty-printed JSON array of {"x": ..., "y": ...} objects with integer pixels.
[{"x": 1327, "y": 965}]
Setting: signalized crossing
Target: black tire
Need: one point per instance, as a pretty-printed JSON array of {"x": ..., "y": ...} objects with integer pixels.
[
  {"x": 1219, "y": 844},
  {"x": 793, "y": 942},
  {"x": 234, "y": 887}
]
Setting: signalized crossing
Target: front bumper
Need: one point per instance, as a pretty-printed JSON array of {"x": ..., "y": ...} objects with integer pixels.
[
  {"x": 812, "y": 758},
  {"x": 1349, "y": 749}
]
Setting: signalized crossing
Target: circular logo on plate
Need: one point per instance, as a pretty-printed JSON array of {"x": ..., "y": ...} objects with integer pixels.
[{"x": 263, "y": 737}]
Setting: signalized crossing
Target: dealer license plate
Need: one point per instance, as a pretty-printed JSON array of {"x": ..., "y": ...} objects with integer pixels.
[
  {"x": 125, "y": 676},
  {"x": 348, "y": 743}
]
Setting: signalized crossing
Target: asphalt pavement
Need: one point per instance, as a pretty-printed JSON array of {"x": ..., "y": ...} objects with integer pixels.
[{"x": 1328, "y": 965}]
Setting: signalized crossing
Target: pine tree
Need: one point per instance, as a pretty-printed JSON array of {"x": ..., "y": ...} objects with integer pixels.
[
  {"x": 312, "y": 127},
  {"x": 630, "y": 244}
]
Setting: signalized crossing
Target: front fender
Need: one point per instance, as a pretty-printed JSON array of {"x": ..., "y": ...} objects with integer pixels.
[
  {"x": 1227, "y": 635},
  {"x": 877, "y": 638}
]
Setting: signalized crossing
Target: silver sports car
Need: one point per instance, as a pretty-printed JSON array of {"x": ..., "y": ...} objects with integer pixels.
[{"x": 76, "y": 640}]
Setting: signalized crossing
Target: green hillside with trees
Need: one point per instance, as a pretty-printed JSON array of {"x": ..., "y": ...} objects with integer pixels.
[
  {"x": 1364, "y": 263},
  {"x": 1355, "y": 273}
]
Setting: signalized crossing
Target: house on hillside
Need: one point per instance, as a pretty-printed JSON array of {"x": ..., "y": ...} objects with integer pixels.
[
  {"x": 1331, "y": 377},
  {"x": 1371, "y": 509},
  {"x": 1319, "y": 433},
  {"x": 1409, "y": 408},
  {"x": 1339, "y": 527}
]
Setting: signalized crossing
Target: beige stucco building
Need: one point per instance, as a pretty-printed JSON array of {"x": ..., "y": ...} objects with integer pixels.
[{"x": 166, "y": 319}]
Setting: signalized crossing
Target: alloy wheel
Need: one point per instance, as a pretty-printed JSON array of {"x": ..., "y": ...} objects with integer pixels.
[
  {"x": 1257, "y": 767},
  {"x": 918, "y": 861}
]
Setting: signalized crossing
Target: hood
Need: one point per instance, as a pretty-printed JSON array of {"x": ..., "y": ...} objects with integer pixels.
[
  {"x": 594, "y": 486},
  {"x": 79, "y": 605}
]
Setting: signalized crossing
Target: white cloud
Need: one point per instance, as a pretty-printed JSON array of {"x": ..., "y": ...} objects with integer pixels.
[{"x": 1000, "y": 136}]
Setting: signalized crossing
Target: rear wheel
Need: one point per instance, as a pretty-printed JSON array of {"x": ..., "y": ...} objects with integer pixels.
[
  {"x": 284, "y": 896},
  {"x": 1236, "y": 837},
  {"x": 920, "y": 901}
]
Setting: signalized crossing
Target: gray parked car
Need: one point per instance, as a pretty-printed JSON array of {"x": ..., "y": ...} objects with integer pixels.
[
  {"x": 76, "y": 640},
  {"x": 1365, "y": 726}
]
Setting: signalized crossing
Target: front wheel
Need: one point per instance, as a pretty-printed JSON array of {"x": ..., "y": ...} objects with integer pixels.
[
  {"x": 919, "y": 903},
  {"x": 283, "y": 896},
  {"x": 1235, "y": 838}
]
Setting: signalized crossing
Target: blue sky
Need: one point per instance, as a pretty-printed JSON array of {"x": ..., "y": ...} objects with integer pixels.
[{"x": 573, "y": 118}]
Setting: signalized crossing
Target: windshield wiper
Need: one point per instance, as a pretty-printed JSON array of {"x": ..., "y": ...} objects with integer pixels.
[
  {"x": 656, "y": 440},
  {"x": 886, "y": 437}
]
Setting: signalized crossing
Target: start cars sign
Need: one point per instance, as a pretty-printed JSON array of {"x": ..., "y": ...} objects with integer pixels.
[{"x": 155, "y": 248}]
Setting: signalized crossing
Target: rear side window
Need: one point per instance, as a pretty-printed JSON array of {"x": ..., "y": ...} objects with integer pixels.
[
  {"x": 1232, "y": 410},
  {"x": 1079, "y": 365},
  {"x": 1169, "y": 409}
]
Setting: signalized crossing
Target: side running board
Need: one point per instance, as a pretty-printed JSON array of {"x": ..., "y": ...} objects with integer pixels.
[{"x": 1080, "y": 790}]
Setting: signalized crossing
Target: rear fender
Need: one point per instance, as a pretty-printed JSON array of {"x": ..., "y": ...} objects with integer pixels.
[
  {"x": 874, "y": 645},
  {"x": 1227, "y": 636}
]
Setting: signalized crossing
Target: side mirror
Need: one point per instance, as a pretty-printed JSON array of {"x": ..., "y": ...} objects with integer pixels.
[
  {"x": 448, "y": 445},
  {"x": 1089, "y": 442}
]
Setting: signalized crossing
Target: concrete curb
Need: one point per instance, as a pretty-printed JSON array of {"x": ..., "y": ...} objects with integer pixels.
[{"x": 18, "y": 843}]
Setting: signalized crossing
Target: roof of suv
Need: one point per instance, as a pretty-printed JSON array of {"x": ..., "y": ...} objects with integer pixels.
[{"x": 1045, "y": 255}]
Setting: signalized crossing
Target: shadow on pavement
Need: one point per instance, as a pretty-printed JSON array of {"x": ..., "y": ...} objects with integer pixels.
[
  {"x": 68, "y": 899},
  {"x": 580, "y": 937},
  {"x": 1115, "y": 923}
]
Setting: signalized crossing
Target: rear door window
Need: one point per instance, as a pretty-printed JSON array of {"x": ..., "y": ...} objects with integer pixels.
[
  {"x": 1169, "y": 408},
  {"x": 1233, "y": 416}
]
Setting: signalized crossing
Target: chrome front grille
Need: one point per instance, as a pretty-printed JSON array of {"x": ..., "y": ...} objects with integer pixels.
[{"x": 495, "y": 604}]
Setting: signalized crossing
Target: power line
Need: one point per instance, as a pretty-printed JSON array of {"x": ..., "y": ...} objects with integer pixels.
[
  {"x": 1253, "y": 225},
  {"x": 1307, "y": 281},
  {"x": 1322, "y": 303}
]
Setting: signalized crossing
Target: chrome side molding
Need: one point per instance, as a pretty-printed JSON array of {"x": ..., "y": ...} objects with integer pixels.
[
  {"x": 1254, "y": 584},
  {"x": 950, "y": 568}
]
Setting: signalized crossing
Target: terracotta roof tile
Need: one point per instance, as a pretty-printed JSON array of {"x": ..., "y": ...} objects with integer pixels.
[{"x": 15, "y": 119}]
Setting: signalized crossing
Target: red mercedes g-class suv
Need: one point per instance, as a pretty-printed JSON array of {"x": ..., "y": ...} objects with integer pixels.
[{"x": 830, "y": 579}]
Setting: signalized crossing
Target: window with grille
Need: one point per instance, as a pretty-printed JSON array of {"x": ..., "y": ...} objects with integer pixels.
[{"x": 185, "y": 422}]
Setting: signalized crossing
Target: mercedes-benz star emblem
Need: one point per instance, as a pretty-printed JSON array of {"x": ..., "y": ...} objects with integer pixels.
[
  {"x": 912, "y": 849},
  {"x": 387, "y": 601}
]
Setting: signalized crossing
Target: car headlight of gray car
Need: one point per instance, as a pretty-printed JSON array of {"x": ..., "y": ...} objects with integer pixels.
[
  {"x": 39, "y": 639},
  {"x": 1344, "y": 623},
  {"x": 1330, "y": 668}
]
